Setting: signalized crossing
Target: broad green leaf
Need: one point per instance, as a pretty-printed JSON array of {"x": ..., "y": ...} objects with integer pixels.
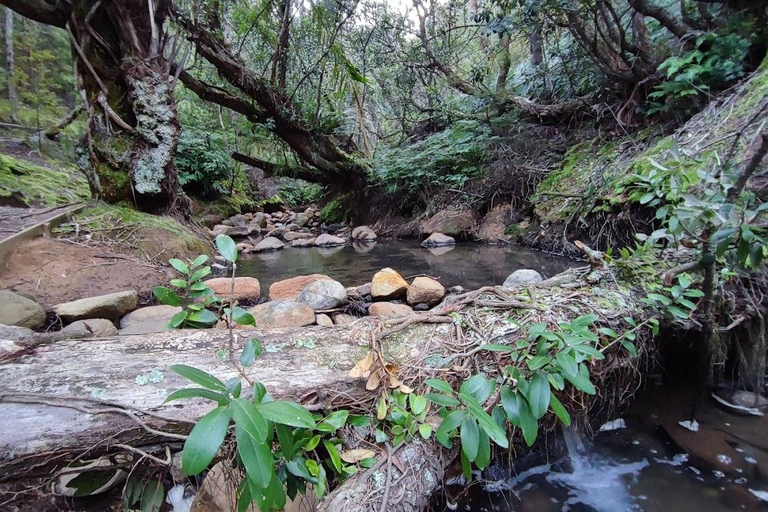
[
  {"x": 199, "y": 377},
  {"x": 581, "y": 381},
  {"x": 440, "y": 399},
  {"x": 167, "y": 296},
  {"x": 608, "y": 332},
  {"x": 448, "y": 425},
  {"x": 178, "y": 283},
  {"x": 203, "y": 316},
  {"x": 559, "y": 410},
  {"x": 538, "y": 395},
  {"x": 287, "y": 413},
  {"x": 251, "y": 352},
  {"x": 152, "y": 496},
  {"x": 257, "y": 458},
  {"x": 88, "y": 482},
  {"x": 519, "y": 414},
  {"x": 227, "y": 247},
  {"x": 285, "y": 437},
  {"x": 337, "y": 419},
  {"x": 203, "y": 258},
  {"x": 179, "y": 265},
  {"x": 199, "y": 274},
  {"x": 425, "y": 430},
  {"x": 479, "y": 387},
  {"x": 234, "y": 387},
  {"x": 538, "y": 362},
  {"x": 186, "y": 393},
  {"x": 679, "y": 313},
  {"x": 242, "y": 317},
  {"x": 589, "y": 351},
  {"x": 333, "y": 452},
  {"x": 567, "y": 363},
  {"x": 313, "y": 442},
  {"x": 199, "y": 287},
  {"x": 466, "y": 466},
  {"x": 496, "y": 433},
  {"x": 439, "y": 385},
  {"x": 178, "y": 319},
  {"x": 484, "y": 451},
  {"x": 204, "y": 441},
  {"x": 470, "y": 438},
  {"x": 556, "y": 381},
  {"x": 248, "y": 418},
  {"x": 631, "y": 348},
  {"x": 418, "y": 404}
]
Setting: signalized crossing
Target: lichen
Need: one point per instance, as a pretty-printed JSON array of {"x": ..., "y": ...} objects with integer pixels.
[{"x": 153, "y": 376}]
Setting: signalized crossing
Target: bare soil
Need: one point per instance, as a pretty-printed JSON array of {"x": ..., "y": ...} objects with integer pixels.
[{"x": 55, "y": 271}]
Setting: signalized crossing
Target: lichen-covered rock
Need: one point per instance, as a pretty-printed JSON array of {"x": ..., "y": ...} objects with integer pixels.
[
  {"x": 324, "y": 294},
  {"x": 388, "y": 284},
  {"x": 268, "y": 244},
  {"x": 388, "y": 309},
  {"x": 522, "y": 276},
  {"x": 363, "y": 234},
  {"x": 425, "y": 290},
  {"x": 18, "y": 310},
  {"x": 326, "y": 240},
  {"x": 282, "y": 313},
  {"x": 302, "y": 219},
  {"x": 246, "y": 288},
  {"x": 438, "y": 240},
  {"x": 456, "y": 223},
  {"x": 111, "y": 306},
  {"x": 147, "y": 320},
  {"x": 323, "y": 320},
  {"x": 98, "y": 327},
  {"x": 289, "y": 289}
]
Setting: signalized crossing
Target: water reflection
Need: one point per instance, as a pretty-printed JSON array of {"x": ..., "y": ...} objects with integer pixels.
[{"x": 468, "y": 265}]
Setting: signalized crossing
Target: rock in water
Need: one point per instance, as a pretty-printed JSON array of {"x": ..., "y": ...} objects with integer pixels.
[
  {"x": 111, "y": 306},
  {"x": 326, "y": 240},
  {"x": 98, "y": 327},
  {"x": 282, "y": 313},
  {"x": 246, "y": 288},
  {"x": 425, "y": 290},
  {"x": 268, "y": 244},
  {"x": 522, "y": 276},
  {"x": 324, "y": 294},
  {"x": 289, "y": 289},
  {"x": 296, "y": 235},
  {"x": 388, "y": 284},
  {"x": 363, "y": 234},
  {"x": 303, "y": 242},
  {"x": 20, "y": 311},
  {"x": 388, "y": 309},
  {"x": 438, "y": 240}
]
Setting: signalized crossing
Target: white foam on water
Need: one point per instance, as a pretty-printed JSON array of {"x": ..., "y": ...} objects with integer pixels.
[
  {"x": 616, "y": 424},
  {"x": 763, "y": 495},
  {"x": 691, "y": 425},
  {"x": 677, "y": 460}
]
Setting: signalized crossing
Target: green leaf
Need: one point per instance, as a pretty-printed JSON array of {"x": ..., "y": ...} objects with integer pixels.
[
  {"x": 287, "y": 413},
  {"x": 152, "y": 496},
  {"x": 559, "y": 410},
  {"x": 242, "y": 317},
  {"x": 178, "y": 319},
  {"x": 167, "y": 296},
  {"x": 608, "y": 332},
  {"x": 199, "y": 274},
  {"x": 88, "y": 482},
  {"x": 631, "y": 348},
  {"x": 519, "y": 414},
  {"x": 203, "y": 442},
  {"x": 439, "y": 385},
  {"x": 257, "y": 458},
  {"x": 425, "y": 430},
  {"x": 251, "y": 352},
  {"x": 589, "y": 351},
  {"x": 313, "y": 442},
  {"x": 647, "y": 198},
  {"x": 484, "y": 451},
  {"x": 359, "y": 421},
  {"x": 567, "y": 363},
  {"x": 178, "y": 283},
  {"x": 479, "y": 387},
  {"x": 448, "y": 425},
  {"x": 337, "y": 419},
  {"x": 368, "y": 463},
  {"x": 234, "y": 387},
  {"x": 199, "y": 287},
  {"x": 679, "y": 313},
  {"x": 186, "y": 393},
  {"x": 204, "y": 316},
  {"x": 199, "y": 377},
  {"x": 179, "y": 265},
  {"x": 226, "y": 247},
  {"x": 470, "y": 438},
  {"x": 333, "y": 452},
  {"x": 496, "y": 433},
  {"x": 440, "y": 399},
  {"x": 247, "y": 417},
  {"x": 538, "y": 395},
  {"x": 418, "y": 404},
  {"x": 581, "y": 381},
  {"x": 200, "y": 260}
]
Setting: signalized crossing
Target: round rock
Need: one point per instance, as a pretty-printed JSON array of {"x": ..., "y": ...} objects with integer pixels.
[
  {"x": 324, "y": 294},
  {"x": 289, "y": 289},
  {"x": 246, "y": 288},
  {"x": 282, "y": 313},
  {"x": 20, "y": 311},
  {"x": 98, "y": 327},
  {"x": 388, "y": 309},
  {"x": 388, "y": 284},
  {"x": 425, "y": 290},
  {"x": 438, "y": 240},
  {"x": 522, "y": 276},
  {"x": 111, "y": 306}
]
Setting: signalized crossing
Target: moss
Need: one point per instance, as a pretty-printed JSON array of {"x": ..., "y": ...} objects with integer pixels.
[{"x": 35, "y": 185}]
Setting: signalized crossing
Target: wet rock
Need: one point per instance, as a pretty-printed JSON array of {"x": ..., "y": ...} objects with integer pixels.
[
  {"x": 439, "y": 251},
  {"x": 240, "y": 230},
  {"x": 244, "y": 247},
  {"x": 438, "y": 240},
  {"x": 259, "y": 220},
  {"x": 302, "y": 219},
  {"x": 363, "y": 233},
  {"x": 323, "y": 320},
  {"x": 324, "y": 294},
  {"x": 747, "y": 399},
  {"x": 388, "y": 309},
  {"x": 296, "y": 235},
  {"x": 326, "y": 240},
  {"x": 268, "y": 244},
  {"x": 388, "y": 284},
  {"x": 20, "y": 311},
  {"x": 147, "y": 320},
  {"x": 277, "y": 232},
  {"x": 289, "y": 289},
  {"x": 425, "y": 290},
  {"x": 456, "y": 223},
  {"x": 111, "y": 306},
  {"x": 239, "y": 220},
  {"x": 303, "y": 242},
  {"x": 246, "y": 288},
  {"x": 292, "y": 227},
  {"x": 708, "y": 448},
  {"x": 364, "y": 246},
  {"x": 98, "y": 327},
  {"x": 343, "y": 319},
  {"x": 522, "y": 276},
  {"x": 282, "y": 313}
]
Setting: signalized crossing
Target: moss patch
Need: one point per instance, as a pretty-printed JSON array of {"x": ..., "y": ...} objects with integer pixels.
[{"x": 24, "y": 183}]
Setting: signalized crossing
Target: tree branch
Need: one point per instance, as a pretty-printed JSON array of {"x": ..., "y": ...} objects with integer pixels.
[{"x": 48, "y": 12}]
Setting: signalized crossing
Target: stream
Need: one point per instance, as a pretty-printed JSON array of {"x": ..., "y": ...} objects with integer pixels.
[{"x": 470, "y": 265}]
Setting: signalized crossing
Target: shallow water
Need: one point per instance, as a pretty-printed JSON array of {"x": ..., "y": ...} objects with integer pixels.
[{"x": 469, "y": 265}]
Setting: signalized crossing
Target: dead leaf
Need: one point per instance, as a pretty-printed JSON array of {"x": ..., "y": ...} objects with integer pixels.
[
  {"x": 394, "y": 382},
  {"x": 362, "y": 366},
  {"x": 355, "y": 456},
  {"x": 405, "y": 389},
  {"x": 373, "y": 381},
  {"x": 392, "y": 369}
]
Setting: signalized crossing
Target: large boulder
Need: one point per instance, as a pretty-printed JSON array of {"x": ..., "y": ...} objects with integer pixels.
[
  {"x": 289, "y": 289},
  {"x": 246, "y": 288},
  {"x": 388, "y": 309},
  {"x": 438, "y": 240},
  {"x": 363, "y": 234},
  {"x": 259, "y": 220},
  {"x": 324, "y": 294},
  {"x": 425, "y": 290},
  {"x": 268, "y": 244},
  {"x": 282, "y": 313},
  {"x": 326, "y": 240},
  {"x": 98, "y": 327},
  {"x": 148, "y": 319},
  {"x": 522, "y": 276},
  {"x": 111, "y": 306},
  {"x": 388, "y": 284},
  {"x": 21, "y": 311},
  {"x": 456, "y": 223},
  {"x": 239, "y": 220}
]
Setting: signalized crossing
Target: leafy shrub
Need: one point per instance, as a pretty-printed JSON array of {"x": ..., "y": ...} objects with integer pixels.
[
  {"x": 295, "y": 193},
  {"x": 204, "y": 167}
]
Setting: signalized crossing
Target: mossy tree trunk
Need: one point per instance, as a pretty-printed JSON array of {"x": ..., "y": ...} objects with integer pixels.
[{"x": 127, "y": 89}]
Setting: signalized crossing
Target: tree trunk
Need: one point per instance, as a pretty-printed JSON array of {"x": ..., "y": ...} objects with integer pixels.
[{"x": 13, "y": 96}]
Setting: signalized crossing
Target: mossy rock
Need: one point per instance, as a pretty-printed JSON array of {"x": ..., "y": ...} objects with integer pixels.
[{"x": 23, "y": 183}]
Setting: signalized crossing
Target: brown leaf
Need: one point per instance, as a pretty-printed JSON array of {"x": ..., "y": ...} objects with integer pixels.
[
  {"x": 355, "y": 456},
  {"x": 394, "y": 382},
  {"x": 392, "y": 369},
  {"x": 373, "y": 381},
  {"x": 362, "y": 366},
  {"x": 405, "y": 389}
]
